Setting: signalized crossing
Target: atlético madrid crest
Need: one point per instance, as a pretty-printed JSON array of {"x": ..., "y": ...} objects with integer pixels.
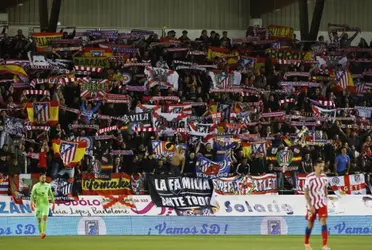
[{"x": 284, "y": 157}]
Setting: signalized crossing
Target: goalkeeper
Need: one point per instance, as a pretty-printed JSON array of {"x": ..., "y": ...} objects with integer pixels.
[{"x": 41, "y": 192}]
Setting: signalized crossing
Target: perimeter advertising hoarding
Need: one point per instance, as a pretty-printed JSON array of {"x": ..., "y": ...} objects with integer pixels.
[{"x": 224, "y": 205}]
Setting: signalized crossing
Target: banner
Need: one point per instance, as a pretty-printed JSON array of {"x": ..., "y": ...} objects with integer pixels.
[
  {"x": 329, "y": 114},
  {"x": 225, "y": 80},
  {"x": 98, "y": 62},
  {"x": 40, "y": 113},
  {"x": 206, "y": 168},
  {"x": 287, "y": 205},
  {"x": 44, "y": 40},
  {"x": 168, "y": 123},
  {"x": 285, "y": 158},
  {"x": 280, "y": 32},
  {"x": 90, "y": 206},
  {"x": 94, "y": 89},
  {"x": 119, "y": 184},
  {"x": 14, "y": 126},
  {"x": 164, "y": 77},
  {"x": 289, "y": 54},
  {"x": 230, "y": 56},
  {"x": 163, "y": 148},
  {"x": 226, "y": 205},
  {"x": 191, "y": 228},
  {"x": 180, "y": 192},
  {"x": 348, "y": 184},
  {"x": 142, "y": 117},
  {"x": 61, "y": 187},
  {"x": 246, "y": 185}
]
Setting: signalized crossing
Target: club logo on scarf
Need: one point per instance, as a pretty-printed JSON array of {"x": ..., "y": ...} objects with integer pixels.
[
  {"x": 284, "y": 157},
  {"x": 126, "y": 78}
]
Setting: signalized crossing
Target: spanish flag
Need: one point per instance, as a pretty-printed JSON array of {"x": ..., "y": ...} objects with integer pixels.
[
  {"x": 70, "y": 152},
  {"x": 14, "y": 70},
  {"x": 42, "y": 113}
]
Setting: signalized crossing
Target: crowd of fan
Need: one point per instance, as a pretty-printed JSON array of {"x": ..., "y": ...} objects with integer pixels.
[{"x": 348, "y": 153}]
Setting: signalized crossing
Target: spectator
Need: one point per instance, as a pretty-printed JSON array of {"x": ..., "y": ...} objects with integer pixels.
[
  {"x": 306, "y": 164},
  {"x": 184, "y": 37},
  {"x": 342, "y": 163},
  {"x": 243, "y": 168},
  {"x": 161, "y": 63}
]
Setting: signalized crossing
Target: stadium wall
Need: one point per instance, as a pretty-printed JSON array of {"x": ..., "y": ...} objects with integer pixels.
[
  {"x": 233, "y": 215},
  {"x": 155, "y": 14},
  {"x": 59, "y": 226},
  {"x": 353, "y": 13}
]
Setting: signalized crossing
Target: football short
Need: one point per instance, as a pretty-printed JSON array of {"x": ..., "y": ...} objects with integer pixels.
[
  {"x": 42, "y": 211},
  {"x": 321, "y": 212}
]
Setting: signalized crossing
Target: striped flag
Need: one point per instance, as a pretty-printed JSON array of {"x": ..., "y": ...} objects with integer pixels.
[
  {"x": 4, "y": 184},
  {"x": 344, "y": 79},
  {"x": 41, "y": 112},
  {"x": 363, "y": 87}
]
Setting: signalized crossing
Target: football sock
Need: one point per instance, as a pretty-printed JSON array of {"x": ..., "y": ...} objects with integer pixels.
[
  {"x": 324, "y": 234},
  {"x": 307, "y": 235},
  {"x": 43, "y": 226},
  {"x": 39, "y": 226}
]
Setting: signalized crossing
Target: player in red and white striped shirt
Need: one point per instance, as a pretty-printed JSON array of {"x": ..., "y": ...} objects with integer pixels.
[{"x": 316, "y": 195}]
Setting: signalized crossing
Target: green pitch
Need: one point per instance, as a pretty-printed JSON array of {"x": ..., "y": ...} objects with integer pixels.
[{"x": 181, "y": 243}]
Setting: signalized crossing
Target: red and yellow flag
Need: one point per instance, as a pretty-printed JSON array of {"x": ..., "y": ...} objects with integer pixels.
[
  {"x": 13, "y": 69},
  {"x": 43, "y": 113},
  {"x": 70, "y": 152},
  {"x": 230, "y": 56},
  {"x": 44, "y": 40}
]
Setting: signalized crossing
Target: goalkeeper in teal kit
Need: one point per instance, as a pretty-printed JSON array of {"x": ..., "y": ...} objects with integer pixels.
[{"x": 40, "y": 195}]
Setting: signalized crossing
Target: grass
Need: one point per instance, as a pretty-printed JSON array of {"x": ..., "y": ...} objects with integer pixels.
[{"x": 181, "y": 243}]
